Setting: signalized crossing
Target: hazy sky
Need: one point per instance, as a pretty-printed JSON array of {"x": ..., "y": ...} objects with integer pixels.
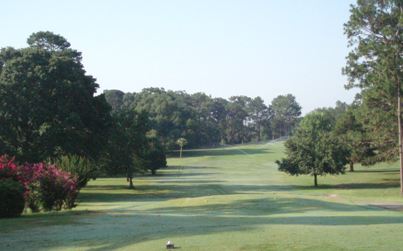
[{"x": 223, "y": 48}]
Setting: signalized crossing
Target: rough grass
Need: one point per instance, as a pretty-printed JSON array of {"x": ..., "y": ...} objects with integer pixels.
[{"x": 224, "y": 199}]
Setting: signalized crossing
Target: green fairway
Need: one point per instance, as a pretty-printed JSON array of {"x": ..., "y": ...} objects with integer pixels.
[{"x": 224, "y": 199}]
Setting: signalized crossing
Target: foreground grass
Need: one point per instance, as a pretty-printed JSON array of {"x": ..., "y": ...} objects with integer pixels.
[{"x": 224, "y": 199}]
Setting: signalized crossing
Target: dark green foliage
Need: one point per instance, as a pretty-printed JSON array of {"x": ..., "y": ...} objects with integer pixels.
[
  {"x": 11, "y": 198},
  {"x": 201, "y": 119},
  {"x": 114, "y": 99},
  {"x": 260, "y": 114},
  {"x": 285, "y": 115},
  {"x": 313, "y": 149},
  {"x": 154, "y": 154},
  {"x": 236, "y": 115},
  {"x": 350, "y": 130},
  {"x": 48, "y": 41},
  {"x": 83, "y": 168},
  {"x": 155, "y": 159},
  {"x": 47, "y": 103},
  {"x": 128, "y": 146}
]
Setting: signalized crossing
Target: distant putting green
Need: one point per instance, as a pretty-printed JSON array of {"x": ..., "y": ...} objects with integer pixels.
[{"x": 224, "y": 199}]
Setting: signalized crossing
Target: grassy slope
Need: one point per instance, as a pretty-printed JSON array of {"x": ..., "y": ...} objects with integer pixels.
[{"x": 223, "y": 199}]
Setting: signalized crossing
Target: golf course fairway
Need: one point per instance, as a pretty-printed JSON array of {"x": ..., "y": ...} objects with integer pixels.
[{"x": 230, "y": 198}]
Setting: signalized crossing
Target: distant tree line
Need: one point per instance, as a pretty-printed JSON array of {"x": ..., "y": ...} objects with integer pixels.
[{"x": 206, "y": 121}]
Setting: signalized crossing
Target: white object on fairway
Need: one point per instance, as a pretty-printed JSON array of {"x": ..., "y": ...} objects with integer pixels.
[{"x": 170, "y": 245}]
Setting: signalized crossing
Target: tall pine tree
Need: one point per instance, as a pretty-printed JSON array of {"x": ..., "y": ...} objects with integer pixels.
[{"x": 374, "y": 65}]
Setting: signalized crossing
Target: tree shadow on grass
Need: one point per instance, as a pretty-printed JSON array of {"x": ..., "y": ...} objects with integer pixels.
[
  {"x": 377, "y": 171},
  {"x": 344, "y": 186},
  {"x": 185, "y": 226},
  {"x": 122, "y": 230},
  {"x": 181, "y": 174},
  {"x": 127, "y": 226},
  {"x": 42, "y": 219},
  {"x": 261, "y": 207},
  {"x": 175, "y": 190},
  {"x": 223, "y": 152},
  {"x": 187, "y": 167},
  {"x": 162, "y": 191}
]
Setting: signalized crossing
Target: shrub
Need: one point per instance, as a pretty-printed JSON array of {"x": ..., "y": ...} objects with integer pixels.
[
  {"x": 155, "y": 159},
  {"x": 42, "y": 186},
  {"x": 11, "y": 197},
  {"x": 47, "y": 187},
  {"x": 83, "y": 168},
  {"x": 56, "y": 189},
  {"x": 8, "y": 169}
]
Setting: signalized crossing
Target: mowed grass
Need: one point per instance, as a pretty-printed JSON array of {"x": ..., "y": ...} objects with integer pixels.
[{"x": 229, "y": 198}]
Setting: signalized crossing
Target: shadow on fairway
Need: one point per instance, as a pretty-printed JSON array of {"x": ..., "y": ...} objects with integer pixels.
[
  {"x": 181, "y": 226},
  {"x": 221, "y": 152},
  {"x": 261, "y": 207},
  {"x": 389, "y": 184},
  {"x": 180, "y": 173},
  {"x": 377, "y": 171},
  {"x": 193, "y": 188},
  {"x": 175, "y": 190}
]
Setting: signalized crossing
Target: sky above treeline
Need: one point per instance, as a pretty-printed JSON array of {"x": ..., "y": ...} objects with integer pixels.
[{"x": 222, "y": 48}]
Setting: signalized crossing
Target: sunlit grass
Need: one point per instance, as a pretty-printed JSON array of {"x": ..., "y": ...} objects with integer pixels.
[{"x": 229, "y": 198}]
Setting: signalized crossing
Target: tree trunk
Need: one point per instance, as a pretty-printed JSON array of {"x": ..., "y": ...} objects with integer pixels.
[
  {"x": 131, "y": 186},
  {"x": 399, "y": 122},
  {"x": 258, "y": 133},
  {"x": 153, "y": 171},
  {"x": 351, "y": 166},
  {"x": 180, "y": 153},
  {"x": 316, "y": 179}
]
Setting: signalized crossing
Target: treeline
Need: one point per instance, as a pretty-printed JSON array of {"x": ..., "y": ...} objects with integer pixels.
[
  {"x": 206, "y": 121},
  {"x": 49, "y": 112}
]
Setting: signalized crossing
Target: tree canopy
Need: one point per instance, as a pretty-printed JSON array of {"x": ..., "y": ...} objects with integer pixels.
[
  {"x": 206, "y": 121},
  {"x": 286, "y": 112},
  {"x": 374, "y": 65},
  {"x": 48, "y": 105},
  {"x": 313, "y": 149}
]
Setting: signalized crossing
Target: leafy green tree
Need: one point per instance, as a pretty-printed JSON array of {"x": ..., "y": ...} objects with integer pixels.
[
  {"x": 286, "y": 112},
  {"x": 47, "y": 102},
  {"x": 48, "y": 41},
  {"x": 169, "y": 112},
  {"x": 114, "y": 99},
  {"x": 236, "y": 120},
  {"x": 352, "y": 133},
  {"x": 218, "y": 115},
  {"x": 181, "y": 142},
  {"x": 374, "y": 65},
  {"x": 206, "y": 132},
  {"x": 127, "y": 145},
  {"x": 313, "y": 150},
  {"x": 154, "y": 155},
  {"x": 260, "y": 116}
]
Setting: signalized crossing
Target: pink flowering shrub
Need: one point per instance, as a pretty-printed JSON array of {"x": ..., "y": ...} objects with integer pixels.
[
  {"x": 58, "y": 189},
  {"x": 8, "y": 169},
  {"x": 45, "y": 186}
]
